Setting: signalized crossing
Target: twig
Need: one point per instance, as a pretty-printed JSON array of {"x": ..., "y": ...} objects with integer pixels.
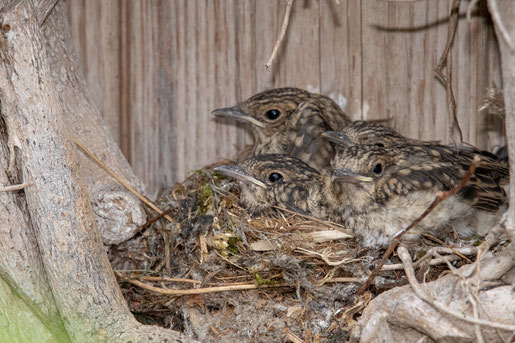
[
  {"x": 439, "y": 241},
  {"x": 434, "y": 252},
  {"x": 293, "y": 337},
  {"x": 181, "y": 292},
  {"x": 446, "y": 59},
  {"x": 166, "y": 239},
  {"x": 16, "y": 187},
  {"x": 496, "y": 17},
  {"x": 168, "y": 279},
  {"x": 44, "y": 9},
  {"x": 122, "y": 182},
  {"x": 155, "y": 219},
  {"x": 315, "y": 219},
  {"x": 405, "y": 257},
  {"x": 286, "y": 19},
  {"x": 475, "y": 312},
  {"x": 433, "y": 262},
  {"x": 325, "y": 258},
  {"x": 340, "y": 279},
  {"x": 451, "y": 30},
  {"x": 440, "y": 196},
  {"x": 451, "y": 100}
]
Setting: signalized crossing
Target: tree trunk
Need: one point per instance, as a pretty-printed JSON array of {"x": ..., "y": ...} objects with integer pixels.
[
  {"x": 118, "y": 213},
  {"x": 50, "y": 244},
  {"x": 503, "y": 15}
]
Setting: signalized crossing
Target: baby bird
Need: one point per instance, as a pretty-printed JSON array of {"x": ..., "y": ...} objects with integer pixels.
[
  {"x": 363, "y": 132},
  {"x": 367, "y": 133},
  {"x": 383, "y": 190},
  {"x": 375, "y": 192},
  {"x": 290, "y": 121},
  {"x": 277, "y": 180}
]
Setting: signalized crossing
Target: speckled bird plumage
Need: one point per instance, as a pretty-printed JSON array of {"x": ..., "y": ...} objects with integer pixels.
[
  {"x": 374, "y": 204},
  {"x": 402, "y": 181},
  {"x": 367, "y": 133},
  {"x": 298, "y": 188},
  {"x": 370, "y": 133},
  {"x": 296, "y": 131}
]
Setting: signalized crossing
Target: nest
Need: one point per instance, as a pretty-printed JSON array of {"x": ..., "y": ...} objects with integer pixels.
[{"x": 218, "y": 273}]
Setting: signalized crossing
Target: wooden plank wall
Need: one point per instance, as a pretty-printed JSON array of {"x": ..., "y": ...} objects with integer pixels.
[{"x": 157, "y": 68}]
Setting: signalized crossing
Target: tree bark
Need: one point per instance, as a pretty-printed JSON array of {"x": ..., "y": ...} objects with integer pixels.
[
  {"x": 118, "y": 213},
  {"x": 51, "y": 249},
  {"x": 402, "y": 316},
  {"x": 503, "y": 14}
]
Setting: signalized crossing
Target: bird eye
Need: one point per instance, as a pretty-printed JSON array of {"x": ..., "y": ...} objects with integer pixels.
[
  {"x": 273, "y": 177},
  {"x": 378, "y": 168},
  {"x": 273, "y": 114},
  {"x": 381, "y": 145}
]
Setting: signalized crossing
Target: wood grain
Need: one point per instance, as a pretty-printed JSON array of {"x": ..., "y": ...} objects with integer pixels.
[
  {"x": 157, "y": 68},
  {"x": 96, "y": 33}
]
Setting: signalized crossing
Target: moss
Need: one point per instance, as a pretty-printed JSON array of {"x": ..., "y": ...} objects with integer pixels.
[
  {"x": 261, "y": 282},
  {"x": 232, "y": 245},
  {"x": 205, "y": 200},
  {"x": 205, "y": 192}
]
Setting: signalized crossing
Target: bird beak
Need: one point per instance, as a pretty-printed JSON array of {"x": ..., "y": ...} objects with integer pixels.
[
  {"x": 235, "y": 112},
  {"x": 348, "y": 176},
  {"x": 238, "y": 173},
  {"x": 338, "y": 138}
]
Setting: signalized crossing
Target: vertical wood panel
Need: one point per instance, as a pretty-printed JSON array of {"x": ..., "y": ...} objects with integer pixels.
[
  {"x": 157, "y": 68},
  {"x": 96, "y": 33},
  {"x": 143, "y": 71},
  {"x": 299, "y": 61},
  {"x": 401, "y": 46},
  {"x": 340, "y": 54}
]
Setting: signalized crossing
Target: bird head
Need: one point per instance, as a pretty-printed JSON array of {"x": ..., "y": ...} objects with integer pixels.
[
  {"x": 356, "y": 171},
  {"x": 273, "y": 180},
  {"x": 368, "y": 133},
  {"x": 267, "y": 111}
]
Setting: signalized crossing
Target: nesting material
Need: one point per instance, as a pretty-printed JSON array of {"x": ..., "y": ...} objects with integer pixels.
[{"x": 220, "y": 274}]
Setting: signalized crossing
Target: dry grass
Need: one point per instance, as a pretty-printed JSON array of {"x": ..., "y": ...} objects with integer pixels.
[{"x": 217, "y": 269}]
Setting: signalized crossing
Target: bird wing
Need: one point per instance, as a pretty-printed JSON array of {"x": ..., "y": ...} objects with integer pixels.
[
  {"x": 482, "y": 191},
  {"x": 334, "y": 117},
  {"x": 309, "y": 145}
]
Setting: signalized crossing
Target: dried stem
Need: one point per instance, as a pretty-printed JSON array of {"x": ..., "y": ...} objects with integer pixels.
[
  {"x": 439, "y": 241},
  {"x": 496, "y": 17},
  {"x": 122, "y": 182},
  {"x": 446, "y": 60},
  {"x": 192, "y": 291},
  {"x": 325, "y": 258},
  {"x": 317, "y": 220},
  {"x": 16, "y": 187},
  {"x": 155, "y": 219},
  {"x": 451, "y": 30},
  {"x": 434, "y": 261},
  {"x": 440, "y": 196},
  {"x": 284, "y": 27},
  {"x": 410, "y": 275},
  {"x": 45, "y": 7}
]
